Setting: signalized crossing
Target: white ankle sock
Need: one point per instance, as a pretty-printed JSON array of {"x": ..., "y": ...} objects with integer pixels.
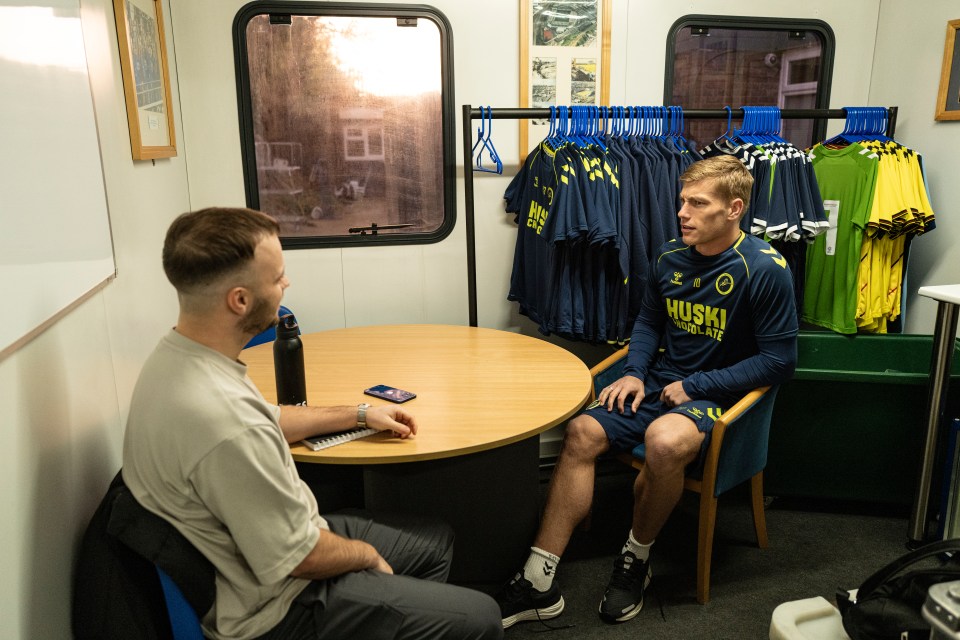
[
  {"x": 540, "y": 569},
  {"x": 642, "y": 551}
]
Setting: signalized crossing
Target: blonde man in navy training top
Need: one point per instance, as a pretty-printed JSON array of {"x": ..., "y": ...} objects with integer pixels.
[
  {"x": 207, "y": 453},
  {"x": 721, "y": 304}
]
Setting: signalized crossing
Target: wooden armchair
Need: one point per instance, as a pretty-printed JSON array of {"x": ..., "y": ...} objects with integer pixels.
[{"x": 737, "y": 452}]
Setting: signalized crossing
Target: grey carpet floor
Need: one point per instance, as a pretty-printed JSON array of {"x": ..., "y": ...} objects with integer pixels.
[{"x": 814, "y": 549}]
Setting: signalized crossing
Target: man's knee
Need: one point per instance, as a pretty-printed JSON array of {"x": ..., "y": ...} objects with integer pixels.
[
  {"x": 672, "y": 443},
  {"x": 484, "y": 621},
  {"x": 584, "y": 438}
]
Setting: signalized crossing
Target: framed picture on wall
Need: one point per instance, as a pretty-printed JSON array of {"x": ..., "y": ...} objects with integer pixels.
[
  {"x": 146, "y": 82},
  {"x": 564, "y": 58},
  {"x": 948, "y": 98}
]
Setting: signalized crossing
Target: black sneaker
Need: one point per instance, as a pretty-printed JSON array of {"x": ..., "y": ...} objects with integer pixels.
[
  {"x": 623, "y": 598},
  {"x": 519, "y": 601}
]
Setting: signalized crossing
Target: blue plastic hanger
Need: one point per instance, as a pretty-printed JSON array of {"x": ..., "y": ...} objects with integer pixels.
[
  {"x": 638, "y": 115},
  {"x": 744, "y": 133},
  {"x": 557, "y": 128},
  {"x": 487, "y": 145},
  {"x": 583, "y": 125},
  {"x": 874, "y": 125},
  {"x": 480, "y": 132},
  {"x": 761, "y": 125},
  {"x": 727, "y": 135},
  {"x": 646, "y": 122},
  {"x": 563, "y": 125},
  {"x": 598, "y": 126},
  {"x": 574, "y": 133},
  {"x": 849, "y": 124},
  {"x": 676, "y": 130}
]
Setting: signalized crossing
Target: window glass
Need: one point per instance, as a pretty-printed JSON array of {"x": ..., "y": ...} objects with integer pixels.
[
  {"x": 717, "y": 61},
  {"x": 325, "y": 90},
  {"x": 375, "y": 143}
]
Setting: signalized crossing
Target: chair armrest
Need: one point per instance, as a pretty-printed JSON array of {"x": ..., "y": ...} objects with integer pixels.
[
  {"x": 611, "y": 359},
  {"x": 606, "y": 371},
  {"x": 738, "y": 447},
  {"x": 742, "y": 406}
]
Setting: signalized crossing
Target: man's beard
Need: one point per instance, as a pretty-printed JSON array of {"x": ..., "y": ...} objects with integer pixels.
[{"x": 261, "y": 318}]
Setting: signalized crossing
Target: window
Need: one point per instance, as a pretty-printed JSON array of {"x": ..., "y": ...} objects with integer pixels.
[
  {"x": 717, "y": 61},
  {"x": 346, "y": 121},
  {"x": 365, "y": 140}
]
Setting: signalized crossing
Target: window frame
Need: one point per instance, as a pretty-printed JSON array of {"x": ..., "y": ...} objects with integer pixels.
[
  {"x": 828, "y": 48},
  {"x": 788, "y": 88},
  {"x": 447, "y": 112}
]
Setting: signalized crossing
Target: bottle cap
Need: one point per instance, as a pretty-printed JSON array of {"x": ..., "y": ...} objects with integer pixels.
[{"x": 287, "y": 327}]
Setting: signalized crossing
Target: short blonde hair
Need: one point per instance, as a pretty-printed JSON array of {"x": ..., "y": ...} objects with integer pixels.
[{"x": 733, "y": 180}]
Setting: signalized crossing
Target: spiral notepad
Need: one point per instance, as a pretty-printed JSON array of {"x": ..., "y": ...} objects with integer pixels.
[{"x": 316, "y": 443}]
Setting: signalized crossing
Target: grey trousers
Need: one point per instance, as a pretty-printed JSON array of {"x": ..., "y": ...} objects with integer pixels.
[{"x": 414, "y": 603}]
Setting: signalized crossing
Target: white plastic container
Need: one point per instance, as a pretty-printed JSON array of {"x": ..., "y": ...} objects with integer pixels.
[{"x": 810, "y": 619}]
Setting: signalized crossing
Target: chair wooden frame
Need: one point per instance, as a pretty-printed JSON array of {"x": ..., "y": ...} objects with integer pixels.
[{"x": 707, "y": 485}]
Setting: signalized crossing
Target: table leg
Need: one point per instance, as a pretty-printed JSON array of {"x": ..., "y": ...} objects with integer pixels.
[
  {"x": 490, "y": 498},
  {"x": 940, "y": 366},
  {"x": 335, "y": 486}
]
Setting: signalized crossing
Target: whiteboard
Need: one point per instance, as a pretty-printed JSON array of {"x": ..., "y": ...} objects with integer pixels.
[{"x": 55, "y": 242}]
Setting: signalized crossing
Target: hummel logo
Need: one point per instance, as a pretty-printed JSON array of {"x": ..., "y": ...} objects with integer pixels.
[
  {"x": 780, "y": 260},
  {"x": 548, "y": 568}
]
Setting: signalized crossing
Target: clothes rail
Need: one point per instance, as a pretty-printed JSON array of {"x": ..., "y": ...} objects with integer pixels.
[
  {"x": 470, "y": 114},
  {"x": 920, "y": 513},
  {"x": 697, "y": 114}
]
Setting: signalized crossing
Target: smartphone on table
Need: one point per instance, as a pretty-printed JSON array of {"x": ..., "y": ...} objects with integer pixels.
[{"x": 390, "y": 393}]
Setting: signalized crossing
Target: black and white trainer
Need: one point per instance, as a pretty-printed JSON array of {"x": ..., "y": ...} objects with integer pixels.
[
  {"x": 519, "y": 601},
  {"x": 623, "y": 598}
]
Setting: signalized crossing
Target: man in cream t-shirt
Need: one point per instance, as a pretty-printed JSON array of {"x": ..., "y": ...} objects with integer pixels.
[{"x": 206, "y": 452}]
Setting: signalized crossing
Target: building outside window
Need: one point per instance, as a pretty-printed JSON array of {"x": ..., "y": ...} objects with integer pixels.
[
  {"x": 717, "y": 61},
  {"x": 347, "y": 121}
]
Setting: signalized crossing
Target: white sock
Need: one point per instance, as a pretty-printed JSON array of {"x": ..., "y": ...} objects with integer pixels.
[
  {"x": 540, "y": 569},
  {"x": 642, "y": 551}
]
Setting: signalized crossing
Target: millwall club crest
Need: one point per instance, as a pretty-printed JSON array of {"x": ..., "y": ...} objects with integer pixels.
[{"x": 724, "y": 284}]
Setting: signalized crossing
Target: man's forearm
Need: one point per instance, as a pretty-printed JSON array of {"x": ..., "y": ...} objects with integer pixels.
[
  {"x": 335, "y": 555},
  {"x": 299, "y": 422},
  {"x": 773, "y": 365}
]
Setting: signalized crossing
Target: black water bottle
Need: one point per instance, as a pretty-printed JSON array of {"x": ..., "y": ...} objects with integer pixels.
[{"x": 288, "y": 363}]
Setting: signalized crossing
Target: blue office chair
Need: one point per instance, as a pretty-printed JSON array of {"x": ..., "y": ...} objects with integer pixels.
[
  {"x": 737, "y": 452},
  {"x": 119, "y": 583},
  {"x": 183, "y": 619},
  {"x": 268, "y": 335}
]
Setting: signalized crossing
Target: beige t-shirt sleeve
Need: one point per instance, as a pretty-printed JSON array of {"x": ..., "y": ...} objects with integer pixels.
[{"x": 252, "y": 488}]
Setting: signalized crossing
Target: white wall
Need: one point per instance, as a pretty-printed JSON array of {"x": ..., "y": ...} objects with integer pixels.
[
  {"x": 64, "y": 396},
  {"x": 909, "y": 76},
  {"x": 332, "y": 287}
]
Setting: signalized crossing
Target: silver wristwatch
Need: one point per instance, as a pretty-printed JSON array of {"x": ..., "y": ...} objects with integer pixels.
[{"x": 362, "y": 415}]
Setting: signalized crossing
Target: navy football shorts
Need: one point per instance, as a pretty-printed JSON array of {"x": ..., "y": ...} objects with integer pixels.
[{"x": 625, "y": 431}]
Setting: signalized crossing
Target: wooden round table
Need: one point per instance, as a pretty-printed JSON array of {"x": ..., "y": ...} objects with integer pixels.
[{"x": 482, "y": 396}]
